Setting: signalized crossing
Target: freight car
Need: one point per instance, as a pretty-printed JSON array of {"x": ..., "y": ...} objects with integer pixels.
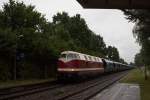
[{"x": 74, "y": 64}]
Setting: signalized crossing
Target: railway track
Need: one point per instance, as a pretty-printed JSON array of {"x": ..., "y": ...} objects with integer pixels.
[
  {"x": 14, "y": 92},
  {"x": 53, "y": 91},
  {"x": 88, "y": 92},
  {"x": 91, "y": 91}
]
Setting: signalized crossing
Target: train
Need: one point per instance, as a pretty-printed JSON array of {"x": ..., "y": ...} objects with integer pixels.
[{"x": 74, "y": 64}]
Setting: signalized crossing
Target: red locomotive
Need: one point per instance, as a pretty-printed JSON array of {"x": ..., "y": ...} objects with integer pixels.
[{"x": 73, "y": 64}]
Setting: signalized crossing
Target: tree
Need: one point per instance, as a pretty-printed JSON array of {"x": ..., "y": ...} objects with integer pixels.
[
  {"x": 138, "y": 60},
  {"x": 142, "y": 33},
  {"x": 76, "y": 30},
  {"x": 28, "y": 30},
  {"x": 141, "y": 30},
  {"x": 122, "y": 61},
  {"x": 33, "y": 44},
  {"x": 112, "y": 53}
]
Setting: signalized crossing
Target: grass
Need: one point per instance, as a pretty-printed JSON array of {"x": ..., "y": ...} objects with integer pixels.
[
  {"x": 136, "y": 76},
  {"x": 22, "y": 82}
]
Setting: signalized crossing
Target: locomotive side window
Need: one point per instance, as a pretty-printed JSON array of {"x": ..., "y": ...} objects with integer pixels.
[
  {"x": 98, "y": 59},
  {"x": 85, "y": 57},
  {"x": 78, "y": 56},
  {"x": 74, "y": 56},
  {"x": 90, "y": 58},
  {"x": 94, "y": 58}
]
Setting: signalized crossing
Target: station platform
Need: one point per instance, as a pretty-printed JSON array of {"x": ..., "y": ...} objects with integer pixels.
[{"x": 120, "y": 91}]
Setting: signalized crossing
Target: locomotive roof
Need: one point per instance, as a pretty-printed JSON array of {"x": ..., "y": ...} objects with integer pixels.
[
  {"x": 109, "y": 61},
  {"x": 67, "y": 52}
]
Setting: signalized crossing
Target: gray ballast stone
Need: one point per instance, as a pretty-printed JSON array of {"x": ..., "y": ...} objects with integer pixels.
[{"x": 120, "y": 91}]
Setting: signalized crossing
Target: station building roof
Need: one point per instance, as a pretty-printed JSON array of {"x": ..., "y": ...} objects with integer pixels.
[{"x": 115, "y": 4}]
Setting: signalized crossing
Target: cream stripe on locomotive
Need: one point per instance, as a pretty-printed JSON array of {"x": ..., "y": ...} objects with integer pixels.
[{"x": 79, "y": 69}]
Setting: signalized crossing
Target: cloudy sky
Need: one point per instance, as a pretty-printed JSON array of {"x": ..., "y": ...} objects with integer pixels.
[{"x": 110, "y": 24}]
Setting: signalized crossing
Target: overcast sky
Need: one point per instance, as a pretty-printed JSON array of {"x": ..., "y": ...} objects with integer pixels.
[{"x": 110, "y": 24}]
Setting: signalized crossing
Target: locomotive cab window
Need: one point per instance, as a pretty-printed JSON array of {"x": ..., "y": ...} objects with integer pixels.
[
  {"x": 63, "y": 56},
  {"x": 72, "y": 56}
]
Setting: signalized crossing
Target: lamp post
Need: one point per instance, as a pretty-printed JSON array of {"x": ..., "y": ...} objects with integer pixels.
[
  {"x": 15, "y": 58},
  {"x": 145, "y": 69}
]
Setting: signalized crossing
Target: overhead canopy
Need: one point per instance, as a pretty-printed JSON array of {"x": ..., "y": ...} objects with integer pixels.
[{"x": 115, "y": 4}]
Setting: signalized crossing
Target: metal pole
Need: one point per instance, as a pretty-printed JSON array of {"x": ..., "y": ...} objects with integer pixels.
[
  {"x": 145, "y": 71},
  {"x": 15, "y": 67}
]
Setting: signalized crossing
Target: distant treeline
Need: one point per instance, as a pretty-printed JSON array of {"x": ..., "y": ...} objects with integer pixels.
[{"x": 30, "y": 45}]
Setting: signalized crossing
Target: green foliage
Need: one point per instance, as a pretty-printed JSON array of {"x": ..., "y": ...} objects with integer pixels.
[
  {"x": 25, "y": 31},
  {"x": 7, "y": 48},
  {"x": 5, "y": 73},
  {"x": 124, "y": 62},
  {"x": 7, "y": 42},
  {"x": 112, "y": 53},
  {"x": 141, "y": 31},
  {"x": 138, "y": 60},
  {"x": 78, "y": 35}
]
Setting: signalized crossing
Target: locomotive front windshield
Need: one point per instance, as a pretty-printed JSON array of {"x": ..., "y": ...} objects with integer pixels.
[
  {"x": 63, "y": 57},
  {"x": 72, "y": 56},
  {"x": 68, "y": 57}
]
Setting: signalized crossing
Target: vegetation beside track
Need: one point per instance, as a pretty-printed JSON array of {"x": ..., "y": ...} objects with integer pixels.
[
  {"x": 8, "y": 84},
  {"x": 30, "y": 44},
  {"x": 136, "y": 76}
]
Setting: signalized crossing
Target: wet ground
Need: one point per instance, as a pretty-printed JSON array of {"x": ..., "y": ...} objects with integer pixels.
[{"x": 120, "y": 91}]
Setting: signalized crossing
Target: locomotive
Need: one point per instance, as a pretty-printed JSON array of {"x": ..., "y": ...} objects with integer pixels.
[{"x": 75, "y": 64}]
